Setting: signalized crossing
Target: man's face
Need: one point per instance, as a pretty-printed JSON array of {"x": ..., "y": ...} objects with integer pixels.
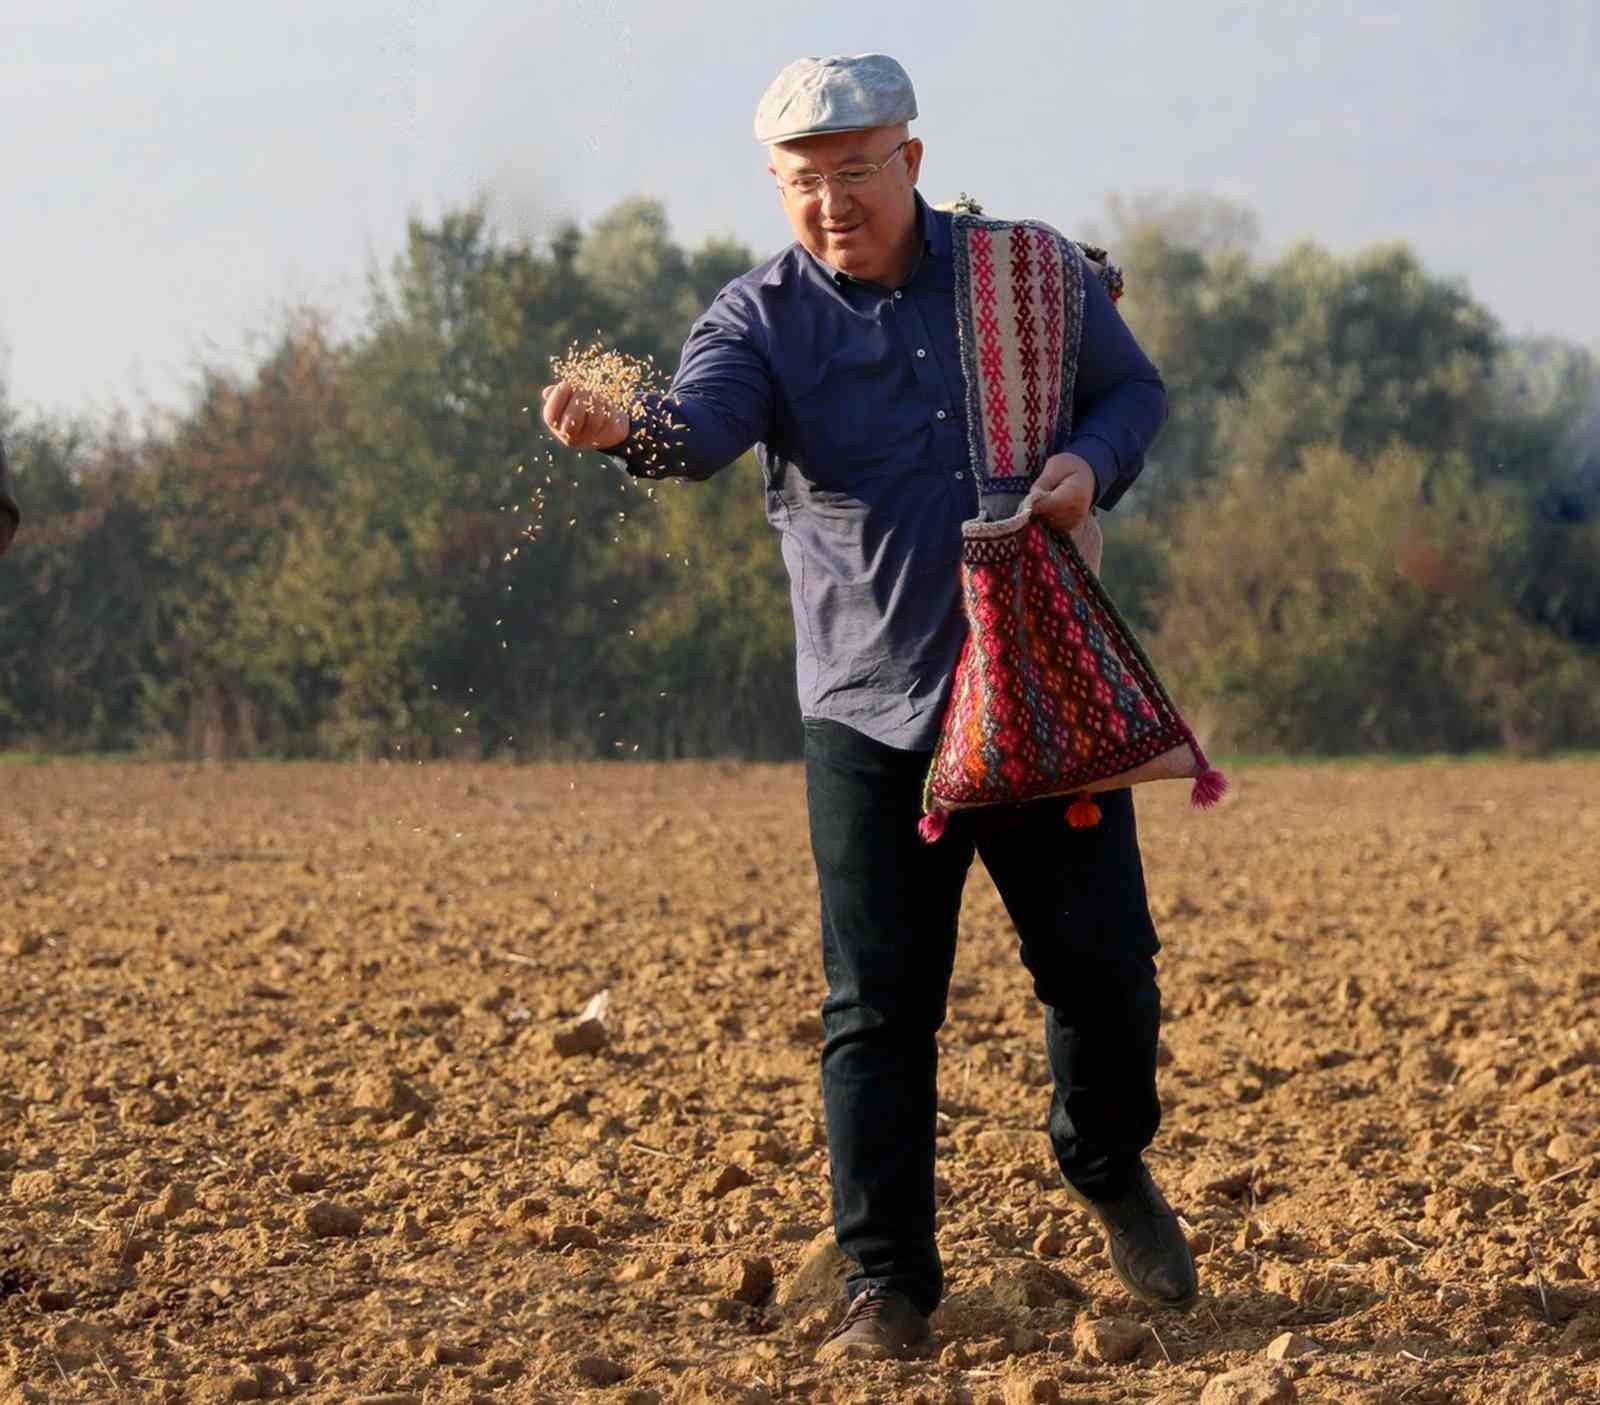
[{"x": 864, "y": 230}]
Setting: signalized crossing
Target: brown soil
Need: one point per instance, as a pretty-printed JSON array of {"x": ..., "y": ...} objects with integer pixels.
[{"x": 283, "y": 1113}]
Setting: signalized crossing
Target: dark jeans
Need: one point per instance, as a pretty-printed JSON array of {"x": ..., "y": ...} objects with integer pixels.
[{"x": 889, "y": 909}]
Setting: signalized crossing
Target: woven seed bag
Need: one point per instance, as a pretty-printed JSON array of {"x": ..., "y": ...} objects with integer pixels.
[{"x": 1052, "y": 694}]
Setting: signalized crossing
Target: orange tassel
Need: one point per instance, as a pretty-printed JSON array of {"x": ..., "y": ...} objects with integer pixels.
[{"x": 1083, "y": 813}]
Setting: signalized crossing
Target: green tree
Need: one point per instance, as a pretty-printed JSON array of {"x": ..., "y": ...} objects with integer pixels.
[
  {"x": 76, "y": 618},
  {"x": 224, "y": 486},
  {"x": 1356, "y": 605}
]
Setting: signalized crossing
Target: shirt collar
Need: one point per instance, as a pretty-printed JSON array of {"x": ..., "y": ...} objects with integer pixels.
[{"x": 935, "y": 228}]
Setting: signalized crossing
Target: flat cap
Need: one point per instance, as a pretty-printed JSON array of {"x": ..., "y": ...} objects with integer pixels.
[{"x": 845, "y": 93}]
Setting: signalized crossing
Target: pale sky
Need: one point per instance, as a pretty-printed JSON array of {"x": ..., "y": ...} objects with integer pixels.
[{"x": 176, "y": 173}]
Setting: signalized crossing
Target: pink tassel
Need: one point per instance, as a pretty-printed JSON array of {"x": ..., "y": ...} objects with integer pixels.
[
  {"x": 1083, "y": 813},
  {"x": 931, "y": 825},
  {"x": 1211, "y": 786}
]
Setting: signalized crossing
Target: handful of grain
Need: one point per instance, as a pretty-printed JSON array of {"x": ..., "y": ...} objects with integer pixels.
[
  {"x": 610, "y": 375},
  {"x": 597, "y": 371}
]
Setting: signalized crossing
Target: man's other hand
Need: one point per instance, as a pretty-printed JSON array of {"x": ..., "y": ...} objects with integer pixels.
[
  {"x": 580, "y": 419},
  {"x": 1063, "y": 492}
]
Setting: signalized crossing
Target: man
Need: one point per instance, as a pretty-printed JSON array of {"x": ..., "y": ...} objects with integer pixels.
[
  {"x": 839, "y": 360},
  {"x": 10, "y": 516}
]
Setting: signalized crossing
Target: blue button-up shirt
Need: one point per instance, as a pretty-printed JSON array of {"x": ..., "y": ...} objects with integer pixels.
[{"x": 853, "y": 397}]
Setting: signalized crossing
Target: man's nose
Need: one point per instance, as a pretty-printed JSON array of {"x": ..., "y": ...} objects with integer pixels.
[{"x": 835, "y": 199}]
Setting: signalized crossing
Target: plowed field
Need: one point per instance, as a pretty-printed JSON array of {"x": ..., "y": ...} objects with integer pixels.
[{"x": 295, "y": 1103}]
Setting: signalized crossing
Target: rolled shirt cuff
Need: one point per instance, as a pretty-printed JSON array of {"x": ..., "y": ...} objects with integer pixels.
[{"x": 1101, "y": 457}]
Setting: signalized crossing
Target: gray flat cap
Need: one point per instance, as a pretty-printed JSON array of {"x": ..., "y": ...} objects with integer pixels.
[{"x": 845, "y": 93}]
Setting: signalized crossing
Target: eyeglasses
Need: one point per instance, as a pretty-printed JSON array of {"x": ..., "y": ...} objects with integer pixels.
[{"x": 851, "y": 177}]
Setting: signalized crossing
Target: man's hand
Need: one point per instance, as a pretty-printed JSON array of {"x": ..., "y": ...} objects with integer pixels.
[
  {"x": 580, "y": 419},
  {"x": 1063, "y": 492}
]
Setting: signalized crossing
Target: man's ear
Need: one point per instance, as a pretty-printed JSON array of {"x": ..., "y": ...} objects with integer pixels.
[{"x": 914, "y": 158}]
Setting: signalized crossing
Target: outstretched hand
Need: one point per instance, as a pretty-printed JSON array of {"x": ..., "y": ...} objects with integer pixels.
[
  {"x": 581, "y": 419},
  {"x": 1063, "y": 492}
]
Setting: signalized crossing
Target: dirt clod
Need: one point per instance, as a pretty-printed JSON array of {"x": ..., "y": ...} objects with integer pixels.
[
  {"x": 177, "y": 1199},
  {"x": 599, "y": 1370},
  {"x": 1109, "y": 1339},
  {"x": 1288, "y": 1345},
  {"x": 526, "y": 1212},
  {"x": 388, "y": 1096},
  {"x": 584, "y": 1037},
  {"x": 325, "y": 1220},
  {"x": 1032, "y": 1390},
  {"x": 956, "y": 1356},
  {"x": 818, "y": 1280},
  {"x": 27, "y": 1186},
  {"x": 730, "y": 1177},
  {"x": 747, "y": 1280},
  {"x": 78, "y": 1343},
  {"x": 1050, "y": 1244},
  {"x": 1251, "y": 1385},
  {"x": 576, "y": 1236}
]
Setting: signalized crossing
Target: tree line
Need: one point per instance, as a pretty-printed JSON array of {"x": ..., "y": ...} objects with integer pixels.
[{"x": 1372, "y": 522}]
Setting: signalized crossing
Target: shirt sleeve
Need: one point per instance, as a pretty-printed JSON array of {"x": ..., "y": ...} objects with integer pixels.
[
  {"x": 10, "y": 517},
  {"x": 1118, "y": 403},
  {"x": 719, "y": 405}
]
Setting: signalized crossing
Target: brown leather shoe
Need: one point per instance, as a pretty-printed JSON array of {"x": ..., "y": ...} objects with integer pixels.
[
  {"x": 880, "y": 1325},
  {"x": 1145, "y": 1243}
]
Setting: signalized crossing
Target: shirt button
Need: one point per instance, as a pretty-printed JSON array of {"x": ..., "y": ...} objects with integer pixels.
[
  {"x": 898, "y": 295},
  {"x": 960, "y": 474},
  {"x": 921, "y": 351},
  {"x": 941, "y": 415}
]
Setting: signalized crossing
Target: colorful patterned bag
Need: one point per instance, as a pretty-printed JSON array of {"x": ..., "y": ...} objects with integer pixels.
[{"x": 1052, "y": 693}]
